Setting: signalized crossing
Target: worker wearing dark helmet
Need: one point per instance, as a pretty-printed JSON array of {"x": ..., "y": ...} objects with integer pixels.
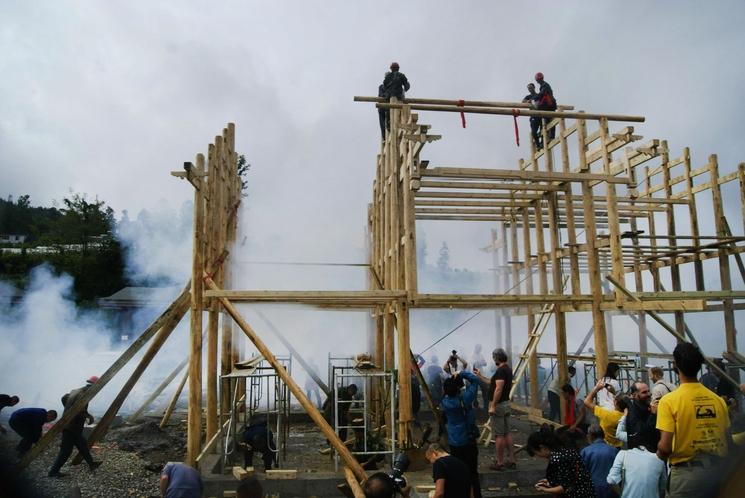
[
  {"x": 545, "y": 101},
  {"x": 395, "y": 83},
  {"x": 535, "y": 122},
  {"x": 72, "y": 433}
]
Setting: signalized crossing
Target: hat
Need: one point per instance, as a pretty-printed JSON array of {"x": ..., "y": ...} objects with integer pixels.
[
  {"x": 92, "y": 379},
  {"x": 538, "y": 76},
  {"x": 394, "y": 65}
]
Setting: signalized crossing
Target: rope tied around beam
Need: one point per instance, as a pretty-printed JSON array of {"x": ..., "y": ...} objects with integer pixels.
[
  {"x": 515, "y": 114},
  {"x": 462, "y": 103}
]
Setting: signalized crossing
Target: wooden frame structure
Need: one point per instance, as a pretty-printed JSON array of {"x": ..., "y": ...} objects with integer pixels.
[{"x": 601, "y": 212}]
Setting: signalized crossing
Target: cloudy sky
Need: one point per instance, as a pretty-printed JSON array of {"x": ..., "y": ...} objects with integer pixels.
[{"x": 106, "y": 98}]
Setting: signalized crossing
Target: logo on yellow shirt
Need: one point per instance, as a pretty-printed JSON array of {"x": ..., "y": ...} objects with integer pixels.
[{"x": 705, "y": 411}]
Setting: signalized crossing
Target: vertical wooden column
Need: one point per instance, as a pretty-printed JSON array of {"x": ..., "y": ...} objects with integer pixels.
[
  {"x": 212, "y": 219},
  {"x": 698, "y": 265},
  {"x": 598, "y": 320},
  {"x": 741, "y": 180},
  {"x": 515, "y": 255},
  {"x": 408, "y": 219},
  {"x": 671, "y": 232},
  {"x": 228, "y": 217},
  {"x": 724, "y": 270},
  {"x": 641, "y": 317},
  {"x": 613, "y": 221},
  {"x": 653, "y": 234},
  {"x": 532, "y": 358},
  {"x": 499, "y": 339},
  {"x": 194, "y": 427},
  {"x": 558, "y": 288},
  {"x": 506, "y": 285}
]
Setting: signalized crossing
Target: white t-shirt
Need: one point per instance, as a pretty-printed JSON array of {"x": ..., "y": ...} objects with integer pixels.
[{"x": 605, "y": 397}]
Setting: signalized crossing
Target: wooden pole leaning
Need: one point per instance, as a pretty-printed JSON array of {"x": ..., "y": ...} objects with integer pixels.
[
  {"x": 174, "y": 399},
  {"x": 157, "y": 392},
  {"x": 94, "y": 389},
  {"x": 160, "y": 338},
  {"x": 309, "y": 407}
]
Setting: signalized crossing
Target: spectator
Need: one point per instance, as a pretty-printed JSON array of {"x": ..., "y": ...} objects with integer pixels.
[
  {"x": 574, "y": 413},
  {"x": 638, "y": 472},
  {"x": 6, "y": 400},
  {"x": 452, "y": 367},
  {"x": 694, "y": 428},
  {"x": 450, "y": 474},
  {"x": 637, "y": 427},
  {"x": 566, "y": 474},
  {"x": 611, "y": 387},
  {"x": 725, "y": 389},
  {"x": 28, "y": 423},
  {"x": 379, "y": 485},
  {"x": 710, "y": 379},
  {"x": 461, "y": 424},
  {"x": 344, "y": 402},
  {"x": 554, "y": 395},
  {"x": 434, "y": 375},
  {"x": 478, "y": 363},
  {"x": 598, "y": 457},
  {"x": 608, "y": 418},
  {"x": 660, "y": 386},
  {"x": 500, "y": 386},
  {"x": 178, "y": 480}
]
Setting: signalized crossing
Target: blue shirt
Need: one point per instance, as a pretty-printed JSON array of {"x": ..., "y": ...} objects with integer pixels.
[
  {"x": 598, "y": 457},
  {"x": 642, "y": 473},
  {"x": 459, "y": 411},
  {"x": 30, "y": 421},
  {"x": 183, "y": 481}
]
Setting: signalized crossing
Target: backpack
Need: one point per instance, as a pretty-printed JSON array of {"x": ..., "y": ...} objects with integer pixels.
[{"x": 394, "y": 86}]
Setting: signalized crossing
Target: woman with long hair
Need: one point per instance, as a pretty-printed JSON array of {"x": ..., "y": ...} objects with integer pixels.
[{"x": 566, "y": 474}]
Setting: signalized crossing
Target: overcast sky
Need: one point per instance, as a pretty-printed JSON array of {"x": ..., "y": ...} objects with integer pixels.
[{"x": 106, "y": 98}]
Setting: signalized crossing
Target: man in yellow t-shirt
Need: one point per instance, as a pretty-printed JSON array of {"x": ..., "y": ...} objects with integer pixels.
[
  {"x": 608, "y": 418},
  {"x": 693, "y": 424}
]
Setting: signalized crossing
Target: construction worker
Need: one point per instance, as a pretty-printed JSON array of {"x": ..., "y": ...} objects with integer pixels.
[
  {"x": 72, "y": 433},
  {"x": 382, "y": 113},
  {"x": 545, "y": 101},
  {"x": 28, "y": 422},
  {"x": 257, "y": 437},
  {"x": 535, "y": 122},
  {"x": 178, "y": 480},
  {"x": 395, "y": 83},
  {"x": 6, "y": 400}
]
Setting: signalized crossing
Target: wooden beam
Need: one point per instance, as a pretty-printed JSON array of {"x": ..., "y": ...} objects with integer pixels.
[
  {"x": 513, "y": 174},
  {"x": 509, "y": 112},
  {"x": 372, "y": 298},
  {"x": 476, "y": 103}
]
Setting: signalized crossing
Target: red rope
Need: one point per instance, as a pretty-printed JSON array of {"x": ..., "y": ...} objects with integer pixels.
[
  {"x": 515, "y": 114},
  {"x": 461, "y": 103}
]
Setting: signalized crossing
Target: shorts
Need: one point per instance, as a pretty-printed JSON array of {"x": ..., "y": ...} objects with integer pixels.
[{"x": 499, "y": 423}]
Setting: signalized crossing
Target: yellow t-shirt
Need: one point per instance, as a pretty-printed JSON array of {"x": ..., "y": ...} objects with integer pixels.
[
  {"x": 609, "y": 422},
  {"x": 698, "y": 419}
]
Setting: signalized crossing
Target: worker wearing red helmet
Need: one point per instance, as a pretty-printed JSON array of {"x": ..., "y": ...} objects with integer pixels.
[
  {"x": 545, "y": 101},
  {"x": 72, "y": 433}
]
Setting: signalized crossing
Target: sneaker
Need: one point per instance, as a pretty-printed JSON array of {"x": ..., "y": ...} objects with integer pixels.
[
  {"x": 56, "y": 474},
  {"x": 496, "y": 466},
  {"x": 94, "y": 466}
]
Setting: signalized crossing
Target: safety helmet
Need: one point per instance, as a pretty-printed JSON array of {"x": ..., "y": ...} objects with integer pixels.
[
  {"x": 539, "y": 76},
  {"x": 92, "y": 379},
  {"x": 394, "y": 65}
]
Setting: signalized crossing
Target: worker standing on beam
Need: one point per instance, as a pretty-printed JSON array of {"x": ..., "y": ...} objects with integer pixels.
[
  {"x": 535, "y": 122},
  {"x": 545, "y": 102},
  {"x": 395, "y": 84}
]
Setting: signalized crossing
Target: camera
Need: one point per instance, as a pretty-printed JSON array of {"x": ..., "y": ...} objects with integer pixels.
[{"x": 400, "y": 465}]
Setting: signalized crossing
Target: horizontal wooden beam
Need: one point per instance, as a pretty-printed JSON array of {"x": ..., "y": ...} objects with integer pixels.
[
  {"x": 509, "y": 112},
  {"x": 472, "y": 103},
  {"x": 371, "y": 298},
  {"x": 516, "y": 174},
  {"x": 477, "y": 195},
  {"x": 705, "y": 295},
  {"x": 489, "y": 186}
]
